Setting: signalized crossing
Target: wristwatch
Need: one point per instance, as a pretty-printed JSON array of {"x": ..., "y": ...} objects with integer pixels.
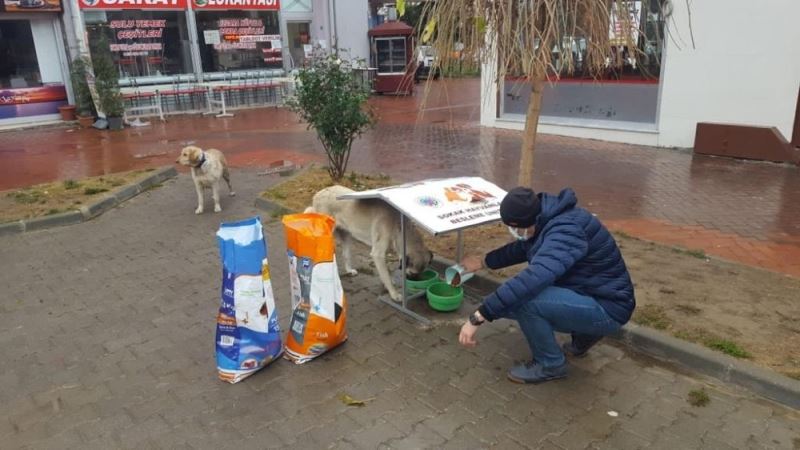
[{"x": 473, "y": 319}]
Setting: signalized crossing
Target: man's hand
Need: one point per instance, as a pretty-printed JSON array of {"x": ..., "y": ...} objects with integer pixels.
[
  {"x": 472, "y": 263},
  {"x": 467, "y": 335}
]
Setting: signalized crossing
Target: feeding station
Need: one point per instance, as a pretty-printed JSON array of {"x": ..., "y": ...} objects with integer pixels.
[
  {"x": 437, "y": 206},
  {"x": 391, "y": 51}
]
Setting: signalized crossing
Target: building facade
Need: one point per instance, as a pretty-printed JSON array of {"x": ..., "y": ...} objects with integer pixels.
[
  {"x": 722, "y": 61},
  {"x": 34, "y": 69},
  {"x": 160, "y": 43}
]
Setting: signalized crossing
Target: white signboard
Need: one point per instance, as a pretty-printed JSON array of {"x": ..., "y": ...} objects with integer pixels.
[
  {"x": 443, "y": 205},
  {"x": 211, "y": 37}
]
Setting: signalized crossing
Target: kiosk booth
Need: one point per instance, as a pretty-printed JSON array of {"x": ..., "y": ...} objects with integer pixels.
[{"x": 391, "y": 50}]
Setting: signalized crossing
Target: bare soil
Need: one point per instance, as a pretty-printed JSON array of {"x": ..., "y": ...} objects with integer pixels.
[
  {"x": 743, "y": 311},
  {"x": 61, "y": 196}
]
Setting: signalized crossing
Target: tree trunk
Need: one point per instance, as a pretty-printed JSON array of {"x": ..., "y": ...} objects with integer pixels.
[{"x": 529, "y": 135}]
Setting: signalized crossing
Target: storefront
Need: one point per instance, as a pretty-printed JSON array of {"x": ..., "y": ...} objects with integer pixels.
[
  {"x": 162, "y": 42},
  {"x": 33, "y": 65},
  {"x": 625, "y": 95}
]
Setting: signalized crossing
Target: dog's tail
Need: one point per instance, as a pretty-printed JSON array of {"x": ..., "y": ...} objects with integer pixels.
[{"x": 310, "y": 209}]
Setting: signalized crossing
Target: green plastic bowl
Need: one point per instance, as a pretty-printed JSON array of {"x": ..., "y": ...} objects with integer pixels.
[
  {"x": 426, "y": 279},
  {"x": 444, "y": 297}
]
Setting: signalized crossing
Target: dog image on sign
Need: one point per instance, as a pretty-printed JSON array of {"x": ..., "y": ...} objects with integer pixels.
[{"x": 319, "y": 308}]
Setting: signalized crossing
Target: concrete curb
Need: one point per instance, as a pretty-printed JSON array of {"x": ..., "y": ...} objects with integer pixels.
[
  {"x": 271, "y": 207},
  {"x": 757, "y": 379},
  {"x": 92, "y": 210}
]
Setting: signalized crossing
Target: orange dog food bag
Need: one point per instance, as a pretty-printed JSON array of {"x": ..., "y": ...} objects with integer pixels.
[{"x": 319, "y": 308}]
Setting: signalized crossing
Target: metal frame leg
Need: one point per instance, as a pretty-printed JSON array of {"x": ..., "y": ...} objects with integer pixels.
[
  {"x": 224, "y": 112},
  {"x": 404, "y": 309},
  {"x": 459, "y": 246}
]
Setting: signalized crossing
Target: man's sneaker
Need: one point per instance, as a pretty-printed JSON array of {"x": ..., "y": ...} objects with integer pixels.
[
  {"x": 570, "y": 349},
  {"x": 579, "y": 349},
  {"x": 534, "y": 373}
]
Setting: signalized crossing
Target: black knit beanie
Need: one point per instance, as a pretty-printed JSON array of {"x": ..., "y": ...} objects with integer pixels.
[{"x": 520, "y": 208}]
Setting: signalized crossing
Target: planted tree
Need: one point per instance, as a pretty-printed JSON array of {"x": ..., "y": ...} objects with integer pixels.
[
  {"x": 332, "y": 100},
  {"x": 539, "y": 40},
  {"x": 84, "y": 105}
]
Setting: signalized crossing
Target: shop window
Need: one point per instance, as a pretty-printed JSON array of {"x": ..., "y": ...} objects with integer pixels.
[
  {"x": 390, "y": 54},
  {"x": 239, "y": 40},
  {"x": 19, "y": 67},
  {"x": 142, "y": 43}
]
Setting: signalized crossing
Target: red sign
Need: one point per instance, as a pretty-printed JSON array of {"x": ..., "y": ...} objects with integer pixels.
[
  {"x": 133, "y": 4},
  {"x": 268, "y": 5}
]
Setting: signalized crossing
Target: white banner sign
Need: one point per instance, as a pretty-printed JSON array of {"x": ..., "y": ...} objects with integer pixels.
[{"x": 443, "y": 205}]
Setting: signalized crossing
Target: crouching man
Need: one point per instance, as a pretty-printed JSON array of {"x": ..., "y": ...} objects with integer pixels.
[{"x": 576, "y": 281}]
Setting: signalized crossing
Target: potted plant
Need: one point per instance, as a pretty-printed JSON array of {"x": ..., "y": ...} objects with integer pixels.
[
  {"x": 84, "y": 105},
  {"x": 67, "y": 112},
  {"x": 107, "y": 86}
]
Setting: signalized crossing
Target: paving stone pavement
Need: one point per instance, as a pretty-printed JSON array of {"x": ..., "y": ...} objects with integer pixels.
[{"x": 107, "y": 341}]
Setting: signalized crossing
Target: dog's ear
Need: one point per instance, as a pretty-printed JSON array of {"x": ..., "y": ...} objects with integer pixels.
[{"x": 194, "y": 155}]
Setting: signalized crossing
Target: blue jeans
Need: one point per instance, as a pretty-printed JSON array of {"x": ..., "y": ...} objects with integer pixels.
[{"x": 565, "y": 311}]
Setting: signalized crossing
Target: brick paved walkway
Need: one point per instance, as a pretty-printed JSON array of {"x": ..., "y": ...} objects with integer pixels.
[
  {"x": 742, "y": 211},
  {"x": 106, "y": 338}
]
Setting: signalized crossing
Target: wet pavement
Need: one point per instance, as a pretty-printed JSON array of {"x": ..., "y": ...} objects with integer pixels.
[
  {"x": 737, "y": 210},
  {"x": 108, "y": 342}
]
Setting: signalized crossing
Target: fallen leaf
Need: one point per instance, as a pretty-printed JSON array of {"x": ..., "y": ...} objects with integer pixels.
[{"x": 350, "y": 401}]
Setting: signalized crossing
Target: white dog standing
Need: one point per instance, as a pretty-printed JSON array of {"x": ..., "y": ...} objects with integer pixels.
[{"x": 208, "y": 167}]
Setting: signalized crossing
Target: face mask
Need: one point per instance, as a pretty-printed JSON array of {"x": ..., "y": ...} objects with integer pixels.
[{"x": 517, "y": 236}]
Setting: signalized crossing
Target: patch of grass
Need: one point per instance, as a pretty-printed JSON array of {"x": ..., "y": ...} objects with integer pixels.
[
  {"x": 698, "y": 398},
  {"x": 666, "y": 291},
  {"x": 623, "y": 235},
  {"x": 71, "y": 184},
  {"x": 795, "y": 375},
  {"x": 295, "y": 194},
  {"x": 150, "y": 169},
  {"x": 652, "y": 316},
  {"x": 26, "y": 197},
  {"x": 63, "y": 195},
  {"x": 713, "y": 342},
  {"x": 728, "y": 347},
  {"x": 94, "y": 190},
  {"x": 695, "y": 253},
  {"x": 688, "y": 309}
]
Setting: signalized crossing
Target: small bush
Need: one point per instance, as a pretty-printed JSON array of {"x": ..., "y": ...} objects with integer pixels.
[
  {"x": 27, "y": 197},
  {"x": 94, "y": 190},
  {"x": 728, "y": 347},
  {"x": 71, "y": 184},
  {"x": 652, "y": 316},
  {"x": 698, "y": 398}
]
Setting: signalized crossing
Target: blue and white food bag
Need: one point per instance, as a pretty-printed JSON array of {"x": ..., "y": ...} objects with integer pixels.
[{"x": 248, "y": 334}]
